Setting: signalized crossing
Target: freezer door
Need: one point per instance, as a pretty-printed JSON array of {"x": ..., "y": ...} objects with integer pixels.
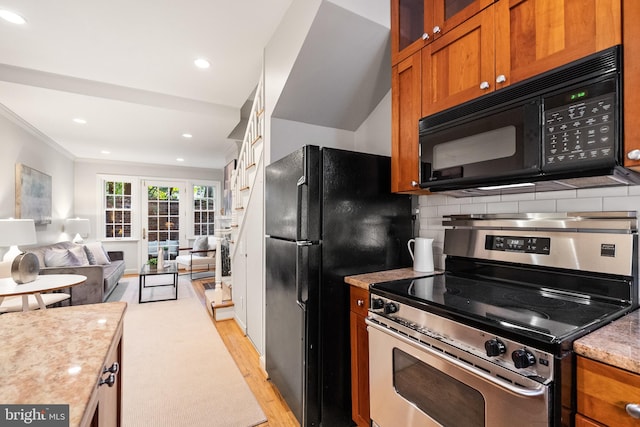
[
  {"x": 292, "y": 196},
  {"x": 291, "y": 325}
]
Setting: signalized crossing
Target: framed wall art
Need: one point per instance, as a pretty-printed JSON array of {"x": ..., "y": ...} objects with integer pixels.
[{"x": 33, "y": 195}]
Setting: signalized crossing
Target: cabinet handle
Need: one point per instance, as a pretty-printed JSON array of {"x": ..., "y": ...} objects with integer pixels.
[
  {"x": 360, "y": 303},
  {"x": 633, "y": 155},
  {"x": 425, "y": 36},
  {"x": 414, "y": 184},
  {"x": 110, "y": 381},
  {"x": 436, "y": 30},
  {"x": 113, "y": 369},
  {"x": 501, "y": 78},
  {"x": 633, "y": 409},
  {"x": 484, "y": 85}
]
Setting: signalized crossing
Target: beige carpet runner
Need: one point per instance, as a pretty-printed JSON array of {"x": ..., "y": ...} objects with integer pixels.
[{"x": 176, "y": 369}]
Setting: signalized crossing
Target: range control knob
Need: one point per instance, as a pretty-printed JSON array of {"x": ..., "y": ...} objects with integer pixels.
[
  {"x": 523, "y": 358},
  {"x": 377, "y": 303},
  {"x": 391, "y": 307},
  {"x": 494, "y": 347}
]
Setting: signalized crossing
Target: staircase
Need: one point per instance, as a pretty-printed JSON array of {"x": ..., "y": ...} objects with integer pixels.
[
  {"x": 247, "y": 194},
  {"x": 249, "y": 159}
]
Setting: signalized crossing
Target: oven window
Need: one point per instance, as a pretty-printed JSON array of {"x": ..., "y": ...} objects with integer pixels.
[
  {"x": 443, "y": 398},
  {"x": 490, "y": 145}
]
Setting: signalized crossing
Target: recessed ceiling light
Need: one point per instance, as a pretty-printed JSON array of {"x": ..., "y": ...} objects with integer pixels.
[
  {"x": 12, "y": 17},
  {"x": 80, "y": 121},
  {"x": 105, "y": 152},
  {"x": 202, "y": 63},
  {"x": 187, "y": 135},
  {"x": 179, "y": 159}
]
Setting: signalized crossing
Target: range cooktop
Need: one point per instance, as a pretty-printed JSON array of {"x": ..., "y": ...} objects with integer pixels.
[{"x": 540, "y": 313}]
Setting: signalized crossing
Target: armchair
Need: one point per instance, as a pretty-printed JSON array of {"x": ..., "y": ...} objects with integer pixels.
[{"x": 202, "y": 257}]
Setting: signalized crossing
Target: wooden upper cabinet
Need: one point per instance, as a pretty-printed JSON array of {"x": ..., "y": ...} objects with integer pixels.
[
  {"x": 457, "y": 63},
  {"x": 511, "y": 41},
  {"x": 631, "y": 53},
  {"x": 416, "y": 23},
  {"x": 545, "y": 34},
  {"x": 408, "y": 23},
  {"x": 405, "y": 113}
]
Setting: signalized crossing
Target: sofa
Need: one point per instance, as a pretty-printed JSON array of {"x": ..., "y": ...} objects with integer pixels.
[{"x": 103, "y": 269}]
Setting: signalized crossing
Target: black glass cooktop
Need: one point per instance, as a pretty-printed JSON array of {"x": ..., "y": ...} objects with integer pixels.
[{"x": 540, "y": 313}]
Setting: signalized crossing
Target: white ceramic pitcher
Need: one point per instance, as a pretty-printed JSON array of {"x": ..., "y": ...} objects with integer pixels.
[{"x": 422, "y": 254}]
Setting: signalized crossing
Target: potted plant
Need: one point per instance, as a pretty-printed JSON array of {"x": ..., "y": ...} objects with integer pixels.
[{"x": 153, "y": 263}]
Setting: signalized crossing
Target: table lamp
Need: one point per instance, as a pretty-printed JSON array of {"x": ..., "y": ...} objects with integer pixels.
[
  {"x": 14, "y": 232},
  {"x": 77, "y": 227}
]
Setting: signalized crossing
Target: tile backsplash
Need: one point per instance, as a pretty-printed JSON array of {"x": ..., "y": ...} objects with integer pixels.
[{"x": 434, "y": 207}]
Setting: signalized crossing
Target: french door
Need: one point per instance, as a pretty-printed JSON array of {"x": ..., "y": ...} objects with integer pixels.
[{"x": 163, "y": 218}]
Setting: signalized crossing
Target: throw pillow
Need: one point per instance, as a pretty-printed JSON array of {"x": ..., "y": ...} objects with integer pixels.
[
  {"x": 201, "y": 244},
  {"x": 55, "y": 257},
  {"x": 98, "y": 253},
  {"x": 80, "y": 255}
]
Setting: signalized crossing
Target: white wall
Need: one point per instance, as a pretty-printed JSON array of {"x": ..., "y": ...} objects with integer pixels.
[
  {"x": 433, "y": 207},
  {"x": 374, "y": 134},
  {"x": 23, "y": 144}
]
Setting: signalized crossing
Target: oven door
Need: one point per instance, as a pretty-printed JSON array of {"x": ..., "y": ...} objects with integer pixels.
[
  {"x": 414, "y": 385},
  {"x": 489, "y": 148}
]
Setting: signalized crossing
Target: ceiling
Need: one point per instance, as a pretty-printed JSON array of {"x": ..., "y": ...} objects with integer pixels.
[{"x": 126, "y": 67}]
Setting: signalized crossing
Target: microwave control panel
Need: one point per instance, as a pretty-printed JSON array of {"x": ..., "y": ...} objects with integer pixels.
[{"x": 582, "y": 128}]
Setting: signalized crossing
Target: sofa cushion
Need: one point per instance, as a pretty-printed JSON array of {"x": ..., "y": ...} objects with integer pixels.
[
  {"x": 201, "y": 244},
  {"x": 96, "y": 254},
  {"x": 58, "y": 257}
]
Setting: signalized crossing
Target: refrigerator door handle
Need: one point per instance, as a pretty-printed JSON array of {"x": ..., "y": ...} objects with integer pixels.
[
  {"x": 300, "y": 206},
  {"x": 302, "y": 274}
]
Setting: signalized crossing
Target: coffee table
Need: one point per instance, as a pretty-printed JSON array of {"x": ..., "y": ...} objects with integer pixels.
[{"x": 169, "y": 269}]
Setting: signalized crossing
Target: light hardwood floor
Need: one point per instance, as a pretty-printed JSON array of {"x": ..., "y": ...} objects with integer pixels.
[{"x": 247, "y": 358}]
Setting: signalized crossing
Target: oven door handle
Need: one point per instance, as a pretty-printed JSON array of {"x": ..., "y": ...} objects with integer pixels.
[{"x": 519, "y": 391}]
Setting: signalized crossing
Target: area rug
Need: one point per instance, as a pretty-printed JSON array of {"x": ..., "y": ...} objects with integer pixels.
[{"x": 176, "y": 369}]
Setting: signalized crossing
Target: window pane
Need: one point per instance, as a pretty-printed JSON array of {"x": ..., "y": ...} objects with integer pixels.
[{"x": 117, "y": 207}]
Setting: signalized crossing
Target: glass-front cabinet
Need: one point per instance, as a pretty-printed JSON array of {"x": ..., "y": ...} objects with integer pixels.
[{"x": 415, "y": 23}]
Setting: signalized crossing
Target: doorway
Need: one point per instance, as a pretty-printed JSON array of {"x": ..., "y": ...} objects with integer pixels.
[{"x": 162, "y": 219}]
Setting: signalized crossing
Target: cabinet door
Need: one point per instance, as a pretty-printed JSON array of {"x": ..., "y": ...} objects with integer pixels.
[
  {"x": 631, "y": 54},
  {"x": 110, "y": 397},
  {"x": 534, "y": 36},
  {"x": 359, "y": 357},
  {"x": 409, "y": 19},
  {"x": 405, "y": 113},
  {"x": 603, "y": 392},
  {"x": 459, "y": 66},
  {"x": 448, "y": 14}
]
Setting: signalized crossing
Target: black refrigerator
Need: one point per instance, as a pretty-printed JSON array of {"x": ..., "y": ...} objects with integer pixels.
[{"x": 328, "y": 214}]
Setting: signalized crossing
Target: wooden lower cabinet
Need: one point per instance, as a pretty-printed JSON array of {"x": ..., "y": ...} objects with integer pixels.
[
  {"x": 108, "y": 407},
  {"x": 603, "y": 391},
  {"x": 359, "y": 305}
]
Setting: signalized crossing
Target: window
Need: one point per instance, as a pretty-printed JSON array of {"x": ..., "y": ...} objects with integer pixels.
[
  {"x": 204, "y": 209},
  {"x": 117, "y": 209}
]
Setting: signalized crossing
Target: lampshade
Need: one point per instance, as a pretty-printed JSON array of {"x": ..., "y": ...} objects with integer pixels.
[
  {"x": 14, "y": 232},
  {"x": 77, "y": 227}
]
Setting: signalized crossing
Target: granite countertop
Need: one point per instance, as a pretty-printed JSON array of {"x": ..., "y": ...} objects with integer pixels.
[
  {"x": 56, "y": 356},
  {"x": 364, "y": 280},
  {"x": 616, "y": 344}
]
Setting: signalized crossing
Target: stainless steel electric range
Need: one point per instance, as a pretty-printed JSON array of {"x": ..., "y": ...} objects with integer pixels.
[{"x": 489, "y": 341}]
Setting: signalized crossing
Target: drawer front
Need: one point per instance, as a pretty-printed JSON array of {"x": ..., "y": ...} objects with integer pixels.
[
  {"x": 359, "y": 300},
  {"x": 604, "y": 391}
]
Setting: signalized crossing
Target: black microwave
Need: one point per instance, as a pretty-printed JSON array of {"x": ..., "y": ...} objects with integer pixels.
[{"x": 540, "y": 134}]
